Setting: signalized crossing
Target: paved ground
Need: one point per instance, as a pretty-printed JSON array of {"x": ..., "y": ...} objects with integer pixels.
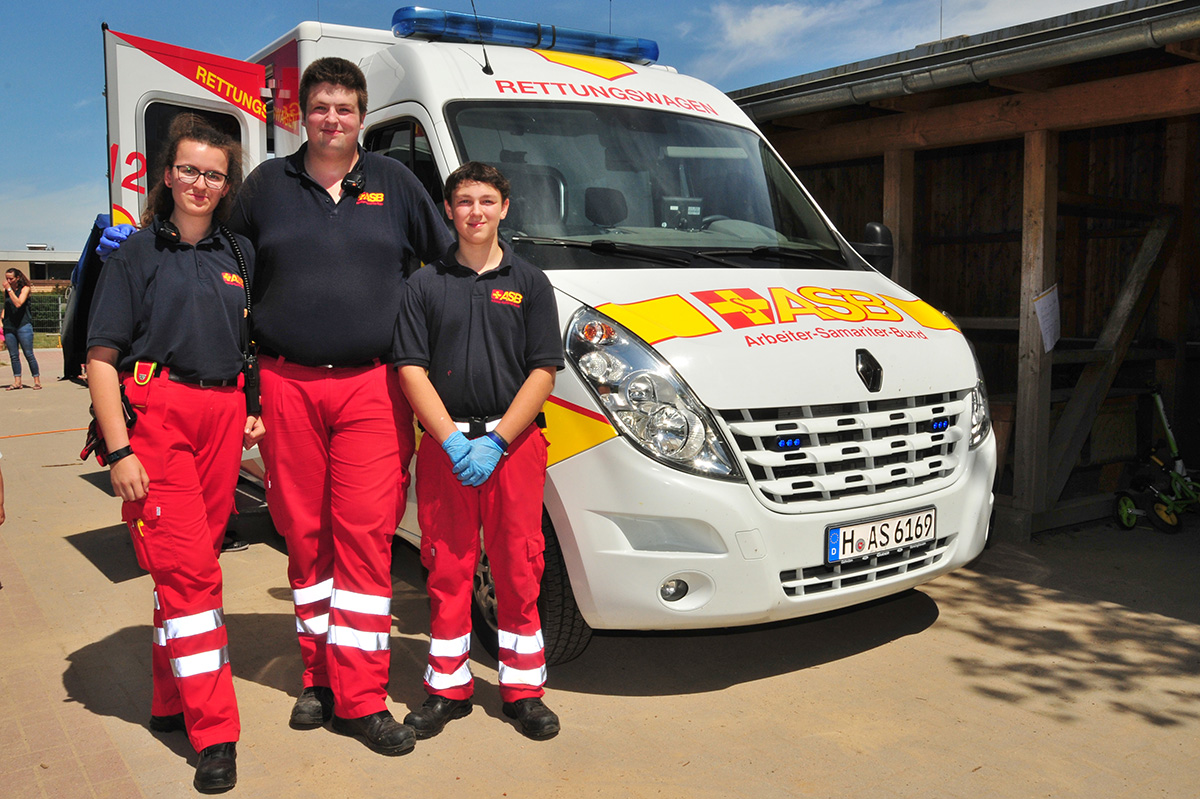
[{"x": 1069, "y": 667}]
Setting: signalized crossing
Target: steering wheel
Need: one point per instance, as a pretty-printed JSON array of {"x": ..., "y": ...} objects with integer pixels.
[{"x": 708, "y": 220}]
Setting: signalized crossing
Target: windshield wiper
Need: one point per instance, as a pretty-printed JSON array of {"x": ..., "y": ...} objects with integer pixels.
[
  {"x": 659, "y": 255},
  {"x": 763, "y": 252}
]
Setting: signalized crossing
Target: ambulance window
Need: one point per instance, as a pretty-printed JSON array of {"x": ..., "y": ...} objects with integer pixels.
[
  {"x": 405, "y": 141},
  {"x": 158, "y": 122}
]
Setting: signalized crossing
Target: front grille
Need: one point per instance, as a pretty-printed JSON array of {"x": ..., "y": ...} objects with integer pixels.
[
  {"x": 819, "y": 579},
  {"x": 844, "y": 455}
]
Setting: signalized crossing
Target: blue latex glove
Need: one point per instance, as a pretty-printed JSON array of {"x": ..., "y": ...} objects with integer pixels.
[
  {"x": 477, "y": 467},
  {"x": 111, "y": 238},
  {"x": 457, "y": 446}
]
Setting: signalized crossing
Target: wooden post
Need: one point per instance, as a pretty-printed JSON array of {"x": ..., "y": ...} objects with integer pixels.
[
  {"x": 1038, "y": 271},
  {"x": 898, "y": 200},
  {"x": 1179, "y": 180}
]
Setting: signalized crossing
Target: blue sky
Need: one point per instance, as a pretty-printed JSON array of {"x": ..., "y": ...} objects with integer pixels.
[{"x": 52, "y": 172}]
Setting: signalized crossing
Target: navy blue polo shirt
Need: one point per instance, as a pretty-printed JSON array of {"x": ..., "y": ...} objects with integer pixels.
[
  {"x": 478, "y": 335},
  {"x": 174, "y": 304},
  {"x": 330, "y": 273}
]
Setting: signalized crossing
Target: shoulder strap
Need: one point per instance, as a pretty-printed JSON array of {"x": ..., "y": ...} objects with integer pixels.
[{"x": 241, "y": 262}]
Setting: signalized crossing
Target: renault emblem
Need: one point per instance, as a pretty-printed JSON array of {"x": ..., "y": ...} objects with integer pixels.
[{"x": 869, "y": 370}]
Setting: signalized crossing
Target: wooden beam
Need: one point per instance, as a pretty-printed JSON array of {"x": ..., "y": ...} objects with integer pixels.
[
  {"x": 1155, "y": 94},
  {"x": 1179, "y": 188},
  {"x": 1080, "y": 412},
  {"x": 1039, "y": 225},
  {"x": 1098, "y": 207},
  {"x": 1189, "y": 49},
  {"x": 898, "y": 199}
]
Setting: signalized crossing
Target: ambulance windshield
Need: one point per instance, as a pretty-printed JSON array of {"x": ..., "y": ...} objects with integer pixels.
[{"x": 642, "y": 179}]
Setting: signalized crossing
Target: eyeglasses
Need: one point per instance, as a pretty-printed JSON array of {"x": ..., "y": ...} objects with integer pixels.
[{"x": 189, "y": 174}]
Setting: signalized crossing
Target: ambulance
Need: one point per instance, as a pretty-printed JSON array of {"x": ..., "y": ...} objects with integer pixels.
[{"x": 754, "y": 424}]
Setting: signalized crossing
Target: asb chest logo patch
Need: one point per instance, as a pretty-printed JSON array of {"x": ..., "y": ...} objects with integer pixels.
[
  {"x": 370, "y": 198},
  {"x": 232, "y": 279},
  {"x": 507, "y": 297}
]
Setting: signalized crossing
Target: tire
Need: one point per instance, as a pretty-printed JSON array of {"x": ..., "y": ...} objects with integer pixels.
[
  {"x": 1126, "y": 510},
  {"x": 565, "y": 632},
  {"x": 1163, "y": 518}
]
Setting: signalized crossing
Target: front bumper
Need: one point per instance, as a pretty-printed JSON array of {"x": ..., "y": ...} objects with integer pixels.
[{"x": 627, "y": 524}]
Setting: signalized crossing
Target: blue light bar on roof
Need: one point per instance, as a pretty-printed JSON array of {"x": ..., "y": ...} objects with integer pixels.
[{"x": 452, "y": 26}]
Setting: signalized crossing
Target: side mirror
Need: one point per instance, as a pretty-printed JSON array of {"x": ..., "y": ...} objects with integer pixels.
[{"x": 877, "y": 247}]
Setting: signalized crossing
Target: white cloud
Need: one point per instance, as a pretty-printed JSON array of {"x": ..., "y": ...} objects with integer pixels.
[
  {"x": 61, "y": 217},
  {"x": 741, "y": 37},
  {"x": 969, "y": 17},
  {"x": 739, "y": 43}
]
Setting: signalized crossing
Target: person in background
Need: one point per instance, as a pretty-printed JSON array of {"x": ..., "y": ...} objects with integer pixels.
[
  {"x": 166, "y": 330},
  {"x": 18, "y": 326},
  {"x": 478, "y": 345}
]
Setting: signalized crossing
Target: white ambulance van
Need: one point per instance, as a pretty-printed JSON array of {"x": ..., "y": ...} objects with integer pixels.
[{"x": 754, "y": 424}]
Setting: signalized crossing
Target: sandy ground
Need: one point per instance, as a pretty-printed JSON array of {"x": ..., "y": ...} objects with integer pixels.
[{"x": 1067, "y": 667}]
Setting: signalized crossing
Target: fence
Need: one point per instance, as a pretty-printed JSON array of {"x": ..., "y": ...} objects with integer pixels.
[{"x": 46, "y": 312}]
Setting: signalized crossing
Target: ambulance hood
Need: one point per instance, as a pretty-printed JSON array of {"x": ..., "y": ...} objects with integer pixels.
[{"x": 760, "y": 338}]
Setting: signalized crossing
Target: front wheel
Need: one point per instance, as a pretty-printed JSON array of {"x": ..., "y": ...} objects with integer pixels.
[
  {"x": 565, "y": 632},
  {"x": 1164, "y": 518},
  {"x": 1126, "y": 510}
]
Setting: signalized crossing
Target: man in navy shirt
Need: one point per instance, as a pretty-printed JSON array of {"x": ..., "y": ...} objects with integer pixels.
[
  {"x": 478, "y": 346},
  {"x": 333, "y": 227}
]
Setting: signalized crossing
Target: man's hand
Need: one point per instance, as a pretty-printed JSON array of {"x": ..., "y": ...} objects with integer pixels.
[
  {"x": 477, "y": 467},
  {"x": 253, "y": 431},
  {"x": 111, "y": 238}
]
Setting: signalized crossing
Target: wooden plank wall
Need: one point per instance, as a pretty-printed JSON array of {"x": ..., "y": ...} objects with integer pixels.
[{"x": 967, "y": 252}]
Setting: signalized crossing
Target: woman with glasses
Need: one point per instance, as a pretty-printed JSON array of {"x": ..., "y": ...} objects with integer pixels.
[
  {"x": 18, "y": 326},
  {"x": 167, "y": 330}
]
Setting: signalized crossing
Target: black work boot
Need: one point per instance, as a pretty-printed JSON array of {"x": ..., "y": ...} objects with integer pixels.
[
  {"x": 379, "y": 731},
  {"x": 173, "y": 723},
  {"x": 313, "y": 708},
  {"x": 535, "y": 719},
  {"x": 429, "y": 719},
  {"x": 216, "y": 771}
]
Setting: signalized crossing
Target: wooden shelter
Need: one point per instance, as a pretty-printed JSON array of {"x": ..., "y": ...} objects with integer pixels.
[{"x": 1061, "y": 153}]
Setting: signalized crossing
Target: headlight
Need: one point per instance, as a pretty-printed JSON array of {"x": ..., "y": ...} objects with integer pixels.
[
  {"x": 646, "y": 400},
  {"x": 981, "y": 415}
]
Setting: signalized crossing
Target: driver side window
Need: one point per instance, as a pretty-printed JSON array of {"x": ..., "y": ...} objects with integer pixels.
[{"x": 405, "y": 141}]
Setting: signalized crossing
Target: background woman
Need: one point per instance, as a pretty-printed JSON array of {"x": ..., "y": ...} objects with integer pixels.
[
  {"x": 166, "y": 326},
  {"x": 18, "y": 326}
]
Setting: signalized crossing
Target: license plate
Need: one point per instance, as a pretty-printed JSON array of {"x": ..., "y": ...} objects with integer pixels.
[{"x": 864, "y": 539}]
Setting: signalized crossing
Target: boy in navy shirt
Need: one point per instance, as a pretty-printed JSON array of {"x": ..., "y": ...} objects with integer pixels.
[{"x": 478, "y": 346}]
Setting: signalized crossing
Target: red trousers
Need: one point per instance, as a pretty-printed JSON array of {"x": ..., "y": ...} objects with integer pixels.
[
  {"x": 509, "y": 508},
  {"x": 337, "y": 450},
  {"x": 189, "y": 441}
]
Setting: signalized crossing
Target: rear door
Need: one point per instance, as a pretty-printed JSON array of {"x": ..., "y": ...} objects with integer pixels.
[{"x": 148, "y": 83}]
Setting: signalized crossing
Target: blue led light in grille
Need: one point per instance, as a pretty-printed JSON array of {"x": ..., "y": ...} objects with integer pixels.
[{"x": 940, "y": 425}]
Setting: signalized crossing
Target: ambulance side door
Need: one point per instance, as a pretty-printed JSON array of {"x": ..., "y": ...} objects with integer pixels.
[{"x": 147, "y": 84}]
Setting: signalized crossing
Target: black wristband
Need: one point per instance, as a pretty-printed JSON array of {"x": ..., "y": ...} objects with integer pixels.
[{"x": 117, "y": 454}]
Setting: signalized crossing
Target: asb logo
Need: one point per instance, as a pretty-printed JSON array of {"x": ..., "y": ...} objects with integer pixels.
[
  {"x": 738, "y": 307},
  {"x": 370, "y": 198},
  {"x": 506, "y": 297},
  {"x": 232, "y": 279}
]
